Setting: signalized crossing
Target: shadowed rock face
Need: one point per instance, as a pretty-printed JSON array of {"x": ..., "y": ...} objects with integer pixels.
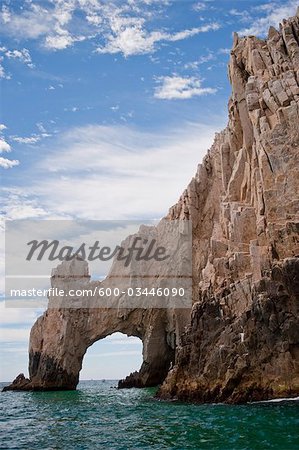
[
  {"x": 250, "y": 357},
  {"x": 240, "y": 342}
]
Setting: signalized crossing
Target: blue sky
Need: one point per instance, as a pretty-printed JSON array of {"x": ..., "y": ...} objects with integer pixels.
[{"x": 106, "y": 109}]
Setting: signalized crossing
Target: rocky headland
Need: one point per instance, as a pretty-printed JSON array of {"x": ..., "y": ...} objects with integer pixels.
[{"x": 240, "y": 340}]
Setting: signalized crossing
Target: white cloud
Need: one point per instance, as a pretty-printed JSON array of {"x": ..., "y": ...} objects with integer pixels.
[
  {"x": 72, "y": 109},
  {"x": 31, "y": 23},
  {"x": 36, "y": 21},
  {"x": 201, "y": 60},
  {"x": 121, "y": 339},
  {"x": 121, "y": 26},
  {"x": 34, "y": 138},
  {"x": 2, "y": 72},
  {"x": 210, "y": 56},
  {"x": 243, "y": 15},
  {"x": 8, "y": 163},
  {"x": 23, "y": 55},
  {"x": 4, "y": 146},
  {"x": 59, "y": 42},
  {"x": 179, "y": 88},
  {"x": 130, "y": 37},
  {"x": 105, "y": 173},
  {"x": 214, "y": 26},
  {"x": 224, "y": 51},
  {"x": 26, "y": 140},
  {"x": 148, "y": 2},
  {"x": 275, "y": 12},
  {"x": 29, "y": 140},
  {"x": 41, "y": 127},
  {"x": 200, "y": 6},
  {"x": 16, "y": 206}
]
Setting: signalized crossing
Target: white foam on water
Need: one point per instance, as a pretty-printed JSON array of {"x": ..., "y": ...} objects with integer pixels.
[{"x": 277, "y": 400}]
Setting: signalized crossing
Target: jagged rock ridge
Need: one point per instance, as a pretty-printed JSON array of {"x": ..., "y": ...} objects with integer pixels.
[{"x": 242, "y": 342}]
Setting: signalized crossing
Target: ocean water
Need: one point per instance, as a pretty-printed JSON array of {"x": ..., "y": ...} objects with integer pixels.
[{"x": 98, "y": 416}]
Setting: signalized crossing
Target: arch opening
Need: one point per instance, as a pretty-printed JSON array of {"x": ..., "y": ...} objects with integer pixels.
[{"x": 112, "y": 358}]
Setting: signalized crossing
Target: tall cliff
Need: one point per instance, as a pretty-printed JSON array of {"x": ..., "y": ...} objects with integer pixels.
[
  {"x": 243, "y": 340},
  {"x": 240, "y": 341}
]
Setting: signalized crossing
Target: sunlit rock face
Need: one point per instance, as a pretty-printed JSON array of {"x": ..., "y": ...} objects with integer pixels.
[
  {"x": 243, "y": 340},
  {"x": 240, "y": 341}
]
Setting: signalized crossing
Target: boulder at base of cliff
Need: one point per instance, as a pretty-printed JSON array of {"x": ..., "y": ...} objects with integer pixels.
[{"x": 20, "y": 383}]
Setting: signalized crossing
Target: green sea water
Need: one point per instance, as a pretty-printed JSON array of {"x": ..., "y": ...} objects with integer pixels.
[{"x": 98, "y": 416}]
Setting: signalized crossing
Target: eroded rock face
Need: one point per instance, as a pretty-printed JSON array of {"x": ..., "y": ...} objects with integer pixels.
[
  {"x": 57, "y": 351},
  {"x": 253, "y": 356},
  {"x": 59, "y": 339},
  {"x": 240, "y": 342},
  {"x": 243, "y": 341},
  {"x": 20, "y": 383}
]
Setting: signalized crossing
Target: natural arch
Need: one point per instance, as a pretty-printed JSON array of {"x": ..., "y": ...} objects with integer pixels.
[
  {"x": 56, "y": 353},
  {"x": 60, "y": 338}
]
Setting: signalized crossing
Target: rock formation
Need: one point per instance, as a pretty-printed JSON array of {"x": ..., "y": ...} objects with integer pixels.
[
  {"x": 240, "y": 341},
  {"x": 59, "y": 339},
  {"x": 243, "y": 340}
]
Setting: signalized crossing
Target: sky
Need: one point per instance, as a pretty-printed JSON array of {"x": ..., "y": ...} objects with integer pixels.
[{"x": 106, "y": 109}]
